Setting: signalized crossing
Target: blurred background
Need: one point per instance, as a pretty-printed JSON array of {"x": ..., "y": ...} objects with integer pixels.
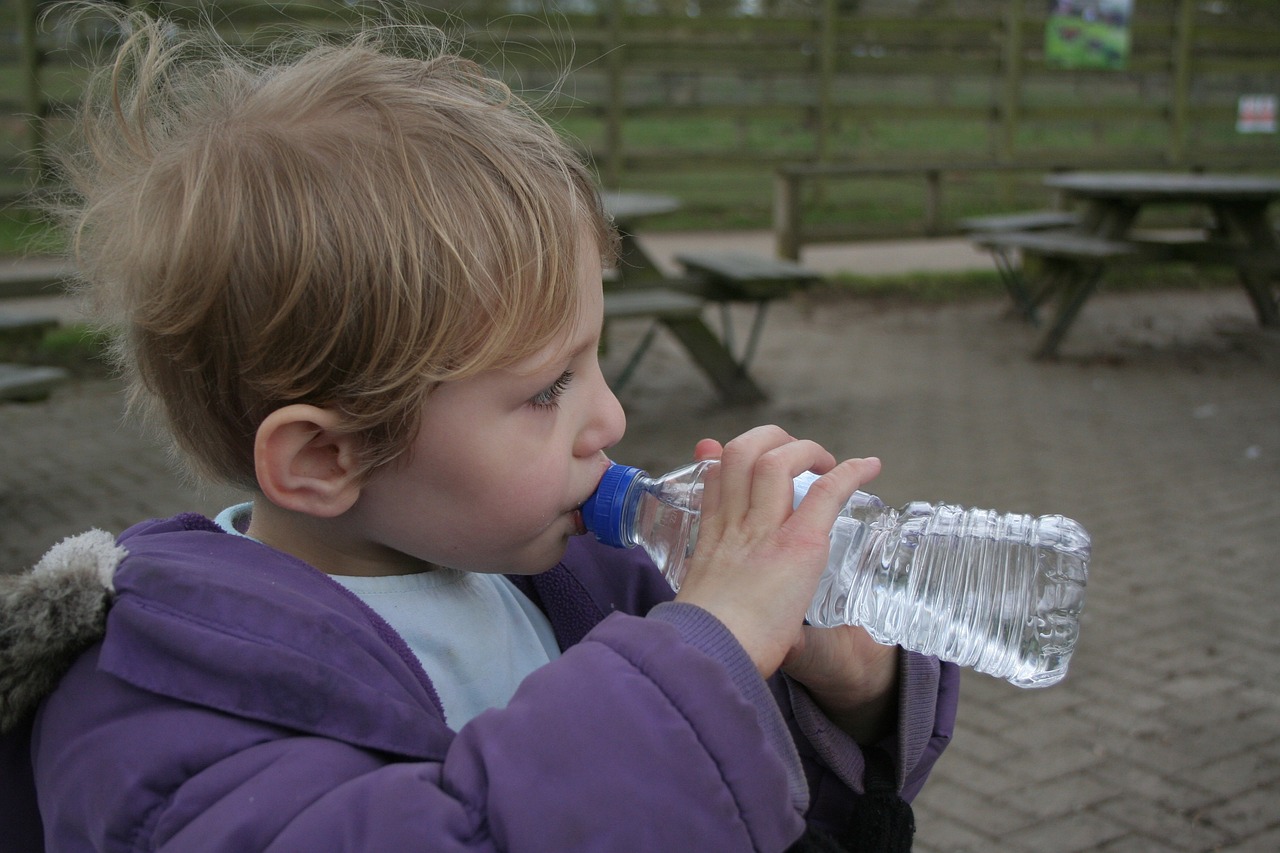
[{"x": 920, "y": 111}]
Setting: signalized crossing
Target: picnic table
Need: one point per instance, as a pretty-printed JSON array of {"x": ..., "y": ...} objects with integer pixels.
[
  {"x": 640, "y": 287},
  {"x": 1075, "y": 257}
]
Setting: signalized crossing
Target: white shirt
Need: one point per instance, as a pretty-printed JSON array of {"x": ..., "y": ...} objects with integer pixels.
[{"x": 475, "y": 634}]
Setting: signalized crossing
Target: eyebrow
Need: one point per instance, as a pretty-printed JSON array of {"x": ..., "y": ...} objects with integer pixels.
[{"x": 557, "y": 359}]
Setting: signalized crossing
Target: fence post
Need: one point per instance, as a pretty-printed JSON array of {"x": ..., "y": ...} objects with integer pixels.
[
  {"x": 1011, "y": 92},
  {"x": 1180, "y": 114},
  {"x": 932, "y": 201},
  {"x": 32, "y": 97},
  {"x": 786, "y": 214},
  {"x": 1011, "y": 96},
  {"x": 615, "y": 109},
  {"x": 826, "y": 79}
]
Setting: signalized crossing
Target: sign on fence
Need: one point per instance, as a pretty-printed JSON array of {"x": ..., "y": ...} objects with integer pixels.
[
  {"x": 1256, "y": 114},
  {"x": 1087, "y": 33}
]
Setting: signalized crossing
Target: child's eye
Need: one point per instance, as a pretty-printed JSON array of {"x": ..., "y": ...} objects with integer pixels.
[{"x": 549, "y": 398}]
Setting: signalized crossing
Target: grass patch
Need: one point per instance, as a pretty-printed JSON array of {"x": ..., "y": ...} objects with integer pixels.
[
  {"x": 79, "y": 348},
  {"x": 918, "y": 287},
  {"x": 24, "y": 231}
]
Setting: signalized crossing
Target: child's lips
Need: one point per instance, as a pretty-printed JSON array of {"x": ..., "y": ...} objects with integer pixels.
[{"x": 579, "y": 526}]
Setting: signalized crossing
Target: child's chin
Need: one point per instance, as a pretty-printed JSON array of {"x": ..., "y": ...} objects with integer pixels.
[{"x": 544, "y": 561}]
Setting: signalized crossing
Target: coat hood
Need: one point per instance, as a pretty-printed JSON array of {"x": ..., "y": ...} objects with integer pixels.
[{"x": 50, "y": 615}]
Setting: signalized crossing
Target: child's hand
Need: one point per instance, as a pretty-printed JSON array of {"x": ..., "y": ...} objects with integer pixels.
[
  {"x": 757, "y": 562},
  {"x": 851, "y": 677}
]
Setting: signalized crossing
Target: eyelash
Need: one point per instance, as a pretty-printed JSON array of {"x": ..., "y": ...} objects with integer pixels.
[{"x": 550, "y": 398}]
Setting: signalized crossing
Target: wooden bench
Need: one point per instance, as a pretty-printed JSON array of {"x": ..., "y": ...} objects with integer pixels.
[
  {"x": 742, "y": 277},
  {"x": 24, "y": 383},
  {"x": 649, "y": 302},
  {"x": 1064, "y": 247},
  {"x": 675, "y": 302},
  {"x": 33, "y": 328},
  {"x": 1030, "y": 220},
  {"x": 1058, "y": 244},
  {"x": 726, "y": 277},
  {"x": 663, "y": 305},
  {"x": 681, "y": 314},
  {"x": 1072, "y": 264}
]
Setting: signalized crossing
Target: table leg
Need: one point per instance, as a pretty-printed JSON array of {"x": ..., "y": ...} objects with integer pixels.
[
  {"x": 1015, "y": 281},
  {"x": 709, "y": 353},
  {"x": 1109, "y": 218},
  {"x": 635, "y": 265},
  {"x": 1249, "y": 221},
  {"x": 633, "y": 362},
  {"x": 1078, "y": 285},
  {"x": 1074, "y": 280}
]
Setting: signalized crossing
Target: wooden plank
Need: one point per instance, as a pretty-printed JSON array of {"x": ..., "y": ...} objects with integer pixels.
[
  {"x": 650, "y": 302},
  {"x": 1029, "y": 220},
  {"x": 731, "y": 276},
  {"x": 17, "y": 282},
  {"x": 729, "y": 377},
  {"x": 20, "y": 383},
  {"x": 681, "y": 313},
  {"x": 33, "y": 327},
  {"x": 741, "y": 266},
  {"x": 1058, "y": 244}
]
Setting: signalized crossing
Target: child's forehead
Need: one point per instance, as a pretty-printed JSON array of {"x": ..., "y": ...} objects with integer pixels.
[
  {"x": 574, "y": 336},
  {"x": 562, "y": 347}
]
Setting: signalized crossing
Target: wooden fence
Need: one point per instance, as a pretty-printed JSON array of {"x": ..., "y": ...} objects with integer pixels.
[{"x": 709, "y": 106}]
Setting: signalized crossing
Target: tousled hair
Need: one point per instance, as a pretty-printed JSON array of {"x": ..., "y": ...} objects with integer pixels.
[{"x": 344, "y": 226}]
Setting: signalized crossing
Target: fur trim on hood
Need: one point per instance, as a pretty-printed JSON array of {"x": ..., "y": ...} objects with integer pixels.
[{"x": 50, "y": 615}]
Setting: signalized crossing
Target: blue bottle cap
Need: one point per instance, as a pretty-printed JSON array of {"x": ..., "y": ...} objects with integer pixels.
[{"x": 602, "y": 512}]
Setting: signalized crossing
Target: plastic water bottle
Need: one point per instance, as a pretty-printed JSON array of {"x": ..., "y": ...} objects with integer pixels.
[{"x": 1000, "y": 593}]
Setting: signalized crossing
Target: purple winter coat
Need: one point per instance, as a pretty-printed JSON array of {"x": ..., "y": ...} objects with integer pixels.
[{"x": 241, "y": 700}]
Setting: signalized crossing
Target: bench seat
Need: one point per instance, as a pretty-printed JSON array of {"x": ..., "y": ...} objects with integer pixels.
[
  {"x": 728, "y": 276},
  {"x": 26, "y": 327},
  {"x": 1058, "y": 244},
  {"x": 21, "y": 383},
  {"x": 1031, "y": 220},
  {"x": 660, "y": 303},
  {"x": 676, "y": 303},
  {"x": 1065, "y": 255}
]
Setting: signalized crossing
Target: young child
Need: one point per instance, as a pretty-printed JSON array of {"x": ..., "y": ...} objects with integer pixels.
[{"x": 367, "y": 288}]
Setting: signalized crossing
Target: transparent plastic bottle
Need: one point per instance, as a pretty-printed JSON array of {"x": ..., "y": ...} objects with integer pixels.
[{"x": 1000, "y": 593}]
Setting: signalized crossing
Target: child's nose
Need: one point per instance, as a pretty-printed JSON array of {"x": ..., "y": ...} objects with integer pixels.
[{"x": 607, "y": 422}]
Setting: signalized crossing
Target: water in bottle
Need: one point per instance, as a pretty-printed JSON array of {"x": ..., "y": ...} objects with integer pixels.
[{"x": 1001, "y": 593}]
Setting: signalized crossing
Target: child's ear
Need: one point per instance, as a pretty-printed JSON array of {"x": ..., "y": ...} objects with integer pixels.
[{"x": 305, "y": 463}]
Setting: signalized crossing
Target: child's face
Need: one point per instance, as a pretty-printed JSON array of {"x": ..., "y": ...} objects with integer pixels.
[{"x": 503, "y": 460}]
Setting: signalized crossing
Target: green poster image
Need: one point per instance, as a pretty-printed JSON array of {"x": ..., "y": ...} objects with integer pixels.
[{"x": 1087, "y": 33}]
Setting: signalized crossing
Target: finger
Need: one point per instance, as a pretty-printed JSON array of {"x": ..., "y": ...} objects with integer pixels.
[
  {"x": 831, "y": 492},
  {"x": 707, "y": 448},
  {"x": 774, "y": 482},
  {"x": 738, "y": 463}
]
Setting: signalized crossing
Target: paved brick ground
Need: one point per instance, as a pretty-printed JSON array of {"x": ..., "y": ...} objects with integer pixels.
[{"x": 1159, "y": 429}]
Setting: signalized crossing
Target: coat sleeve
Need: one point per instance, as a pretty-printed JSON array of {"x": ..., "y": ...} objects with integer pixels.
[
  {"x": 835, "y": 765},
  {"x": 633, "y": 739}
]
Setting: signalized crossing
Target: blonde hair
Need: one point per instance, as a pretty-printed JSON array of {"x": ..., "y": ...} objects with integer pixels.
[{"x": 343, "y": 226}]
